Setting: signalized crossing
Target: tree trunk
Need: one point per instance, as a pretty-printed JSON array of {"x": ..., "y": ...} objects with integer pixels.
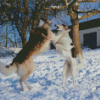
[
  {"x": 35, "y": 17},
  {"x": 24, "y": 27},
  {"x": 24, "y": 41},
  {"x": 36, "y": 14},
  {"x": 15, "y": 39},
  {"x": 34, "y": 25},
  {"x": 76, "y": 37},
  {"x": 6, "y": 35},
  {"x": 45, "y": 11}
]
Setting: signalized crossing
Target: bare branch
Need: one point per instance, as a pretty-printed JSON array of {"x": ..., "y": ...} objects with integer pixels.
[
  {"x": 91, "y": 14},
  {"x": 64, "y": 2},
  {"x": 70, "y": 6},
  {"x": 83, "y": 11},
  {"x": 56, "y": 7},
  {"x": 3, "y": 37},
  {"x": 81, "y": 1}
]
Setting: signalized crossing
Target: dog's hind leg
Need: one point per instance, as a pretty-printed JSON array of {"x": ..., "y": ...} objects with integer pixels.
[
  {"x": 73, "y": 71},
  {"x": 67, "y": 70},
  {"x": 25, "y": 79},
  {"x": 20, "y": 81},
  {"x": 73, "y": 80},
  {"x": 65, "y": 73}
]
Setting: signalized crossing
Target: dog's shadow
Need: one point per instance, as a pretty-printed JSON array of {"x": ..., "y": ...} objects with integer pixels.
[{"x": 15, "y": 87}]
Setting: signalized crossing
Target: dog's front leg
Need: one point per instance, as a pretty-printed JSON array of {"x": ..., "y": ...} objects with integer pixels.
[
  {"x": 59, "y": 48},
  {"x": 55, "y": 38}
]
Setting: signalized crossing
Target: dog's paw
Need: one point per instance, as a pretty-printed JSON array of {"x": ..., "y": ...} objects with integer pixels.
[
  {"x": 29, "y": 88},
  {"x": 22, "y": 89}
]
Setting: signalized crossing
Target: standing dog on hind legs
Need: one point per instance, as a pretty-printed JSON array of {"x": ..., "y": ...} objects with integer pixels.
[
  {"x": 65, "y": 47},
  {"x": 23, "y": 63}
]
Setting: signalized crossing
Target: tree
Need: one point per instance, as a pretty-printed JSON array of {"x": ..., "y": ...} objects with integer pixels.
[
  {"x": 25, "y": 14},
  {"x": 6, "y": 34},
  {"x": 73, "y": 10},
  {"x": 22, "y": 14},
  {"x": 25, "y": 22}
]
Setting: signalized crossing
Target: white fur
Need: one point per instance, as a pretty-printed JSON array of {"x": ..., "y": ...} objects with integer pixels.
[
  {"x": 55, "y": 38},
  {"x": 80, "y": 61},
  {"x": 63, "y": 46},
  {"x": 22, "y": 70},
  {"x": 45, "y": 47},
  {"x": 60, "y": 27},
  {"x": 65, "y": 41},
  {"x": 41, "y": 23},
  {"x": 7, "y": 71},
  {"x": 73, "y": 68}
]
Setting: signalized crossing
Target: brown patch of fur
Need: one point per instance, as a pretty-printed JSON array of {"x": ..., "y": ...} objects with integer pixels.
[{"x": 33, "y": 46}]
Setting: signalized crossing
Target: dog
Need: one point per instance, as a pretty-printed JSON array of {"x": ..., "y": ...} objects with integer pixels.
[
  {"x": 23, "y": 63},
  {"x": 65, "y": 47}
]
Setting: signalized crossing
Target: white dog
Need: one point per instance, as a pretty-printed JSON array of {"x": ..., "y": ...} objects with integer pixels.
[{"x": 65, "y": 47}]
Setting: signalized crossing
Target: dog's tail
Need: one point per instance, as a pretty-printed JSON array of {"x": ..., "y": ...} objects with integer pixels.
[
  {"x": 77, "y": 66},
  {"x": 80, "y": 62},
  {"x": 7, "y": 69}
]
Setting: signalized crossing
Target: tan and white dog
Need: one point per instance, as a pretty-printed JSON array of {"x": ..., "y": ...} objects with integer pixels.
[
  {"x": 65, "y": 47},
  {"x": 23, "y": 63}
]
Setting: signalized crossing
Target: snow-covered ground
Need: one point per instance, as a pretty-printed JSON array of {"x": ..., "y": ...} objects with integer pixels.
[{"x": 46, "y": 80}]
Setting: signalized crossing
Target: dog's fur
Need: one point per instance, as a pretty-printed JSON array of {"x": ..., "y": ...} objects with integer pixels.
[
  {"x": 23, "y": 63},
  {"x": 65, "y": 47}
]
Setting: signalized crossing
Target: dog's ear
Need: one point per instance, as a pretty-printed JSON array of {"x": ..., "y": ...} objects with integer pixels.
[
  {"x": 44, "y": 19},
  {"x": 41, "y": 22},
  {"x": 65, "y": 26},
  {"x": 68, "y": 30}
]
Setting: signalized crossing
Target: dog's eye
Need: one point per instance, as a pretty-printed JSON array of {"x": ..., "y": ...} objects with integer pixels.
[
  {"x": 71, "y": 44},
  {"x": 7, "y": 66}
]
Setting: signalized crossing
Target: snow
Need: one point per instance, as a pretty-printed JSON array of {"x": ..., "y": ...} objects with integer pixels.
[
  {"x": 79, "y": 16},
  {"x": 15, "y": 50},
  {"x": 76, "y": 4},
  {"x": 55, "y": 7},
  {"x": 5, "y": 52},
  {"x": 67, "y": 3},
  {"x": 46, "y": 80},
  {"x": 8, "y": 4}
]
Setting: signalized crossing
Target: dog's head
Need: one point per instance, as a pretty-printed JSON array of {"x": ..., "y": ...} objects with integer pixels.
[
  {"x": 62, "y": 27},
  {"x": 45, "y": 23}
]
